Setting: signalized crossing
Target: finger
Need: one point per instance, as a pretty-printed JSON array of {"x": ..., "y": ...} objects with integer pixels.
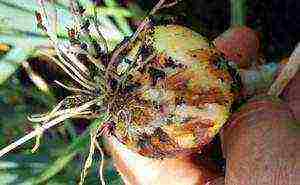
[{"x": 138, "y": 170}]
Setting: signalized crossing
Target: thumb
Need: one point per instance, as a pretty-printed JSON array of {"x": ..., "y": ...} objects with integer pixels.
[{"x": 139, "y": 170}]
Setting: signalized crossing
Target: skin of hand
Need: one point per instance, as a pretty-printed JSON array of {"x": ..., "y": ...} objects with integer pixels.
[
  {"x": 139, "y": 170},
  {"x": 261, "y": 144}
]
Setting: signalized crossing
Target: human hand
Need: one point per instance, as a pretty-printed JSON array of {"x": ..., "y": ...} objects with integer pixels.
[{"x": 138, "y": 170}]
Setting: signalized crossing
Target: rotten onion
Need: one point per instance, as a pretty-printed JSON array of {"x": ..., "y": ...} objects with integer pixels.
[{"x": 182, "y": 96}]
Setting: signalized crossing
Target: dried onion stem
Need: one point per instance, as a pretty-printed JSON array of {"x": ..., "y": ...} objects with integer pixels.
[{"x": 287, "y": 73}]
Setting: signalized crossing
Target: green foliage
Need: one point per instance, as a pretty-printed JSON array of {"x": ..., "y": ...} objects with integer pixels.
[
  {"x": 238, "y": 12},
  {"x": 80, "y": 144},
  {"x": 62, "y": 151},
  {"x": 18, "y": 29}
]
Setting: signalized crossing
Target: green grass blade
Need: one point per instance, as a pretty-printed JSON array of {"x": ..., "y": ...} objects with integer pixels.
[{"x": 79, "y": 145}]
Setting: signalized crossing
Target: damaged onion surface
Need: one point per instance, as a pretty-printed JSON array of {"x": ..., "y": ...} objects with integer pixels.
[{"x": 181, "y": 97}]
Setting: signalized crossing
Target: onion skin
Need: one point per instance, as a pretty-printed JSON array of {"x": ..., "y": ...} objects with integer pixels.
[
  {"x": 240, "y": 44},
  {"x": 261, "y": 144}
]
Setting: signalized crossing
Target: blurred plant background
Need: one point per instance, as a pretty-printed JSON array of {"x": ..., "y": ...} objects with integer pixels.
[{"x": 26, "y": 76}]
